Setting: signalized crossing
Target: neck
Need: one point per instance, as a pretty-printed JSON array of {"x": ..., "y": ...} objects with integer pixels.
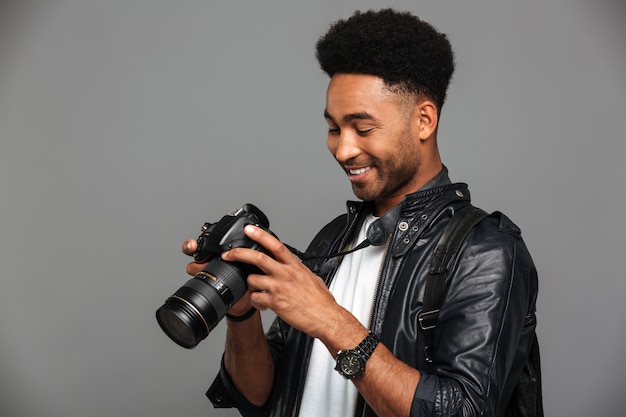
[{"x": 422, "y": 180}]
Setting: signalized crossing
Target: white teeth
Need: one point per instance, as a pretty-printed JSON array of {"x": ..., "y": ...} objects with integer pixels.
[{"x": 358, "y": 171}]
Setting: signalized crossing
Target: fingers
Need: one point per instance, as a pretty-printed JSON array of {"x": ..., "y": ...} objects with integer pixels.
[
  {"x": 276, "y": 249},
  {"x": 194, "y": 268},
  {"x": 260, "y": 300},
  {"x": 189, "y": 246}
]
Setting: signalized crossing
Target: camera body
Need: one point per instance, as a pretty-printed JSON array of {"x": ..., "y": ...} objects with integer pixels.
[
  {"x": 197, "y": 307},
  {"x": 228, "y": 232}
]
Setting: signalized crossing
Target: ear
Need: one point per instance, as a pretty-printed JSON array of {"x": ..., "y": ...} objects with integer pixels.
[{"x": 425, "y": 119}]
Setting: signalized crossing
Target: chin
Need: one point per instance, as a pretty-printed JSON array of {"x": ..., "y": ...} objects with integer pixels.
[{"x": 363, "y": 194}]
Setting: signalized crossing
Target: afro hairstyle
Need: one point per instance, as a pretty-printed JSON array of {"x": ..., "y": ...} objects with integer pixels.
[{"x": 407, "y": 53}]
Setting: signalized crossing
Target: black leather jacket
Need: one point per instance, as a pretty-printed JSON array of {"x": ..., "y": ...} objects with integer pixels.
[{"x": 486, "y": 322}]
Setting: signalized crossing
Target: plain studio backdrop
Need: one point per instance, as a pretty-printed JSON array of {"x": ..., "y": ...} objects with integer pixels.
[{"x": 125, "y": 125}]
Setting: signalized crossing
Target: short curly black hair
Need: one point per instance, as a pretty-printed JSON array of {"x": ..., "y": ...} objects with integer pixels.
[{"x": 405, "y": 51}]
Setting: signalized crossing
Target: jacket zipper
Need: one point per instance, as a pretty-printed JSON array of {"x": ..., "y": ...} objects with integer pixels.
[
  {"x": 378, "y": 280},
  {"x": 377, "y": 288}
]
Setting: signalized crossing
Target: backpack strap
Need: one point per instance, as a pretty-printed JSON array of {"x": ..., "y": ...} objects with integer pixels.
[{"x": 443, "y": 257}]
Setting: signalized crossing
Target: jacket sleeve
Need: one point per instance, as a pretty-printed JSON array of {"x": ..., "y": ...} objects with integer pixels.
[
  {"x": 486, "y": 323},
  {"x": 223, "y": 393}
]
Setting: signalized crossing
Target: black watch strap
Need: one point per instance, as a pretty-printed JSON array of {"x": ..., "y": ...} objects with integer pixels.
[
  {"x": 367, "y": 346},
  {"x": 351, "y": 363}
]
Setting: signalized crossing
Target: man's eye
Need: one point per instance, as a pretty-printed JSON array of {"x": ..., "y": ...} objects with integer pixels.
[
  {"x": 364, "y": 132},
  {"x": 333, "y": 131}
]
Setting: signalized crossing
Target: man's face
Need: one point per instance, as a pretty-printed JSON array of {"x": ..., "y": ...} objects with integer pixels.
[{"x": 370, "y": 134}]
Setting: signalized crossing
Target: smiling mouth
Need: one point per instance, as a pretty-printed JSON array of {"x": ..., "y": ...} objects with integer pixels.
[{"x": 358, "y": 171}]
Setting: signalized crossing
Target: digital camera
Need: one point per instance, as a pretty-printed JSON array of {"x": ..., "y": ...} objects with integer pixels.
[{"x": 196, "y": 308}]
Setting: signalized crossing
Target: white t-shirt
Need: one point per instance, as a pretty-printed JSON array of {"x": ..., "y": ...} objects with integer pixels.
[{"x": 326, "y": 393}]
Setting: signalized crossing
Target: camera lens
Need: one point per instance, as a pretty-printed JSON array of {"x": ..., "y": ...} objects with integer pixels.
[
  {"x": 196, "y": 308},
  {"x": 176, "y": 322}
]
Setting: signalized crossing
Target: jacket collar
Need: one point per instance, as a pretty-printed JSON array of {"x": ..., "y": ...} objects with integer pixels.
[
  {"x": 419, "y": 209},
  {"x": 440, "y": 179}
]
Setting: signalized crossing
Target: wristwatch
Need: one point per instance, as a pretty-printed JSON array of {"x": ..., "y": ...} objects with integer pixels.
[{"x": 351, "y": 363}]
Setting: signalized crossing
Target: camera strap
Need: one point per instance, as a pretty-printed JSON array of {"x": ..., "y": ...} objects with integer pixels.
[
  {"x": 377, "y": 234},
  {"x": 382, "y": 227}
]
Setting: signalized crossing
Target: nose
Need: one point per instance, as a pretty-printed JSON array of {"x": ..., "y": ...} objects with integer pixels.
[{"x": 343, "y": 146}]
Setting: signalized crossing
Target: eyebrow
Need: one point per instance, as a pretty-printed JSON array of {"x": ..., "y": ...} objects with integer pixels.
[{"x": 349, "y": 117}]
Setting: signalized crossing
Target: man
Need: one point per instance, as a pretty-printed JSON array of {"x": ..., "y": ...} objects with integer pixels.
[{"x": 389, "y": 73}]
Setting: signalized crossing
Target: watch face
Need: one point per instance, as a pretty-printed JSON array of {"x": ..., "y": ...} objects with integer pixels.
[{"x": 350, "y": 365}]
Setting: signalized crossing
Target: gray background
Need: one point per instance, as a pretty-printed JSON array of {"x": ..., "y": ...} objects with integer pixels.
[{"x": 124, "y": 125}]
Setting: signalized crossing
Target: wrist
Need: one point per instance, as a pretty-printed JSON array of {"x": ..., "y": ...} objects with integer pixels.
[
  {"x": 351, "y": 363},
  {"x": 343, "y": 331},
  {"x": 242, "y": 317}
]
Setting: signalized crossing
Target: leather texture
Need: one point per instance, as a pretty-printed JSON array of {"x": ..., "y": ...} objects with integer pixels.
[{"x": 486, "y": 322}]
